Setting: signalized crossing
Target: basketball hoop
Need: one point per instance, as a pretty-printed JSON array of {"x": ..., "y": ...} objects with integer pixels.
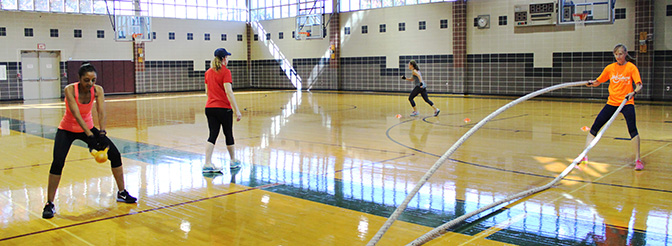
[
  {"x": 305, "y": 33},
  {"x": 135, "y": 35},
  {"x": 580, "y": 19}
]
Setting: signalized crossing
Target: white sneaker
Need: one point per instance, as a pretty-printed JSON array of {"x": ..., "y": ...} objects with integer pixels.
[
  {"x": 211, "y": 169},
  {"x": 235, "y": 164}
]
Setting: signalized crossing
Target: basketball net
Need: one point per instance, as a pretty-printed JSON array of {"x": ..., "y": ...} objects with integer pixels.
[
  {"x": 135, "y": 36},
  {"x": 580, "y": 20}
]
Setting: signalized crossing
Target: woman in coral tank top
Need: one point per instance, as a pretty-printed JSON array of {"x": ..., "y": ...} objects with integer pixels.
[{"x": 77, "y": 123}]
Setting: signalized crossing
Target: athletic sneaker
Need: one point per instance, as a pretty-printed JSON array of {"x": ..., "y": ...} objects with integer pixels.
[
  {"x": 414, "y": 113},
  {"x": 211, "y": 169},
  {"x": 123, "y": 196},
  {"x": 235, "y": 164},
  {"x": 49, "y": 211},
  {"x": 212, "y": 175},
  {"x": 436, "y": 113},
  {"x": 639, "y": 165},
  {"x": 584, "y": 161}
]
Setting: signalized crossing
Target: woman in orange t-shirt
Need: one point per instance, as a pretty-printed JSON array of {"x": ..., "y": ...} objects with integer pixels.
[{"x": 621, "y": 75}]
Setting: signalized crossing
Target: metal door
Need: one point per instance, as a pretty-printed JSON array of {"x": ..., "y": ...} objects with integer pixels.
[
  {"x": 41, "y": 74},
  {"x": 30, "y": 66}
]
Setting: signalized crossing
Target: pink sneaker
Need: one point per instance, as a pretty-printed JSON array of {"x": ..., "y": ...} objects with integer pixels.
[
  {"x": 584, "y": 161},
  {"x": 639, "y": 165}
]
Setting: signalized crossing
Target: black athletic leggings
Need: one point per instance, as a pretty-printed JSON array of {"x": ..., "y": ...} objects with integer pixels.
[
  {"x": 422, "y": 91},
  {"x": 62, "y": 145},
  {"x": 220, "y": 117},
  {"x": 628, "y": 112}
]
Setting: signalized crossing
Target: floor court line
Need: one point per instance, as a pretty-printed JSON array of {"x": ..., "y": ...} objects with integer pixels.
[
  {"x": 516, "y": 171},
  {"x": 505, "y": 224},
  {"x": 48, "y": 221},
  {"x": 39, "y": 164},
  {"x": 138, "y": 212},
  {"x": 338, "y": 145},
  {"x": 377, "y": 162},
  {"x": 113, "y": 100}
]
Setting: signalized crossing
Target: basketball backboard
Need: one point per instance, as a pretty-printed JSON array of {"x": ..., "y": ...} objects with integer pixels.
[
  {"x": 128, "y": 25},
  {"x": 597, "y": 11},
  {"x": 309, "y": 27}
]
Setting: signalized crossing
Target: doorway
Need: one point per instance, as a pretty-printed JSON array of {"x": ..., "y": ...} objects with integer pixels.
[{"x": 41, "y": 74}]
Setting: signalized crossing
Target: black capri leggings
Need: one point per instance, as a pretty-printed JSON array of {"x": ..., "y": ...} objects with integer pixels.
[
  {"x": 62, "y": 145},
  {"x": 422, "y": 91},
  {"x": 628, "y": 112},
  {"x": 220, "y": 117}
]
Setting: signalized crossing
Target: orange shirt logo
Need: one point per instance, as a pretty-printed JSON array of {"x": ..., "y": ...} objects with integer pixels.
[{"x": 618, "y": 78}]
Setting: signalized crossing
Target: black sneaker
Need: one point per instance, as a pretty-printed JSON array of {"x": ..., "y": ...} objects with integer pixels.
[
  {"x": 123, "y": 196},
  {"x": 49, "y": 211}
]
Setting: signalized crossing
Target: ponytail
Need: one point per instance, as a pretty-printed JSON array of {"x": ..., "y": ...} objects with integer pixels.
[{"x": 217, "y": 63}]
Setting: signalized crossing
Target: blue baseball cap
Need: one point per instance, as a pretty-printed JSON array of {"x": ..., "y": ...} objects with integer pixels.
[{"x": 221, "y": 53}]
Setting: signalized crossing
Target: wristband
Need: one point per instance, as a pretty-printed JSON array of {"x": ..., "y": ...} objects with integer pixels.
[{"x": 102, "y": 132}]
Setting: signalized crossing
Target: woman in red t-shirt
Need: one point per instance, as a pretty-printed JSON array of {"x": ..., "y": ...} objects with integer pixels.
[
  {"x": 77, "y": 123},
  {"x": 621, "y": 75},
  {"x": 219, "y": 109}
]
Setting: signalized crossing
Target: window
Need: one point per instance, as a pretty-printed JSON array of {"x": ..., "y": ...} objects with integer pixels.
[
  {"x": 268, "y": 36},
  {"x": 276, "y": 9},
  {"x": 101, "y": 34},
  {"x": 402, "y": 26},
  {"x": 256, "y": 37},
  {"x": 293, "y": 34},
  {"x": 422, "y": 25},
  {"x": 443, "y": 24},
  {"x": 669, "y": 10},
  {"x": 223, "y": 37},
  {"x": 206, "y": 37},
  {"x": 53, "y": 33},
  {"x": 240, "y": 37},
  {"x": 365, "y": 29},
  {"x": 78, "y": 33},
  {"x": 503, "y": 20},
  {"x": 233, "y": 10},
  {"x": 346, "y": 30},
  {"x": 381, "y": 28},
  {"x": 3, "y": 31},
  {"x": 355, "y": 5},
  {"x": 153, "y": 35},
  {"x": 281, "y": 35},
  {"x": 28, "y": 32},
  {"x": 171, "y": 36},
  {"x": 190, "y": 36},
  {"x": 619, "y": 14}
]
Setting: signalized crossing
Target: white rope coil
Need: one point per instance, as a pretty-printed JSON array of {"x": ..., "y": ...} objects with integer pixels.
[{"x": 436, "y": 232}]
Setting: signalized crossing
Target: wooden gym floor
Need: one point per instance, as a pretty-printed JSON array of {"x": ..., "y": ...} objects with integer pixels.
[{"x": 328, "y": 168}]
